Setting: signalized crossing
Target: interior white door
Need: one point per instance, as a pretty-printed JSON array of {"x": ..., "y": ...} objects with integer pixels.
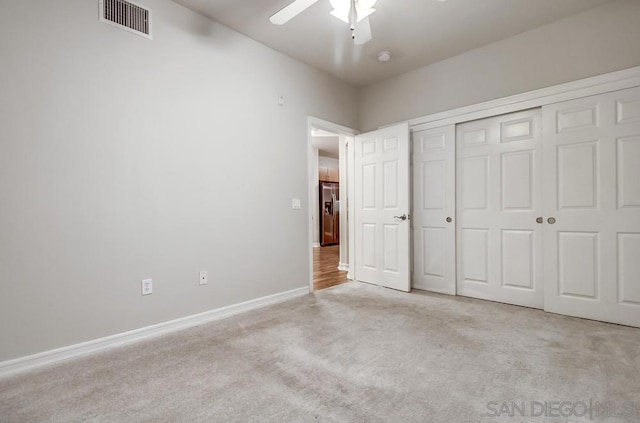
[
  {"x": 434, "y": 206},
  {"x": 592, "y": 207},
  {"x": 381, "y": 179},
  {"x": 499, "y": 239}
]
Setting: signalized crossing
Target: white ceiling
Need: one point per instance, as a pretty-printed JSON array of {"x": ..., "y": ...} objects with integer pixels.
[
  {"x": 326, "y": 142},
  {"x": 417, "y": 32}
]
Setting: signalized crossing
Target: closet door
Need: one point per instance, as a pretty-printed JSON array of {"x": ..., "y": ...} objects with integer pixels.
[
  {"x": 592, "y": 207},
  {"x": 499, "y": 234},
  {"x": 434, "y": 206}
]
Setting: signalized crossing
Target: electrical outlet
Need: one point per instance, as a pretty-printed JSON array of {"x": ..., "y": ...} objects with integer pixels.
[
  {"x": 203, "y": 277},
  {"x": 296, "y": 204},
  {"x": 147, "y": 286}
]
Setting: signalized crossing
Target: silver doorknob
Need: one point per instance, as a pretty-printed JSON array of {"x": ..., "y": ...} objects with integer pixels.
[
  {"x": 551, "y": 220},
  {"x": 449, "y": 220},
  {"x": 403, "y": 217},
  {"x": 539, "y": 220}
]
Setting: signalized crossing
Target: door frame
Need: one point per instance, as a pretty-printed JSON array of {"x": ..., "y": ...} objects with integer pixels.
[{"x": 312, "y": 176}]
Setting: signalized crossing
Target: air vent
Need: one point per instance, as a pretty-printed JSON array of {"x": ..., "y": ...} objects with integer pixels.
[{"x": 126, "y": 15}]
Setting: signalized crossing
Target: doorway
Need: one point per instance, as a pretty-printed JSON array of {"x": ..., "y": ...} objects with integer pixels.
[
  {"x": 328, "y": 198},
  {"x": 325, "y": 270}
]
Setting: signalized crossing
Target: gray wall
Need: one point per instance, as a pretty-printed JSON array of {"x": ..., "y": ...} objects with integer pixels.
[
  {"x": 600, "y": 40},
  {"x": 123, "y": 158}
]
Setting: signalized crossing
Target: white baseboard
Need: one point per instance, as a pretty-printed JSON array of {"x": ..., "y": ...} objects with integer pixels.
[
  {"x": 315, "y": 245},
  {"x": 343, "y": 266},
  {"x": 45, "y": 358}
]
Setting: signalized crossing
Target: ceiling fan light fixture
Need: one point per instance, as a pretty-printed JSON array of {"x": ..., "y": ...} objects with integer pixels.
[
  {"x": 353, "y": 12},
  {"x": 346, "y": 4},
  {"x": 341, "y": 8}
]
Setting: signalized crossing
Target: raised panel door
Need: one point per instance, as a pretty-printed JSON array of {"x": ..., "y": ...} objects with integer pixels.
[
  {"x": 499, "y": 241},
  {"x": 434, "y": 266},
  {"x": 381, "y": 205},
  {"x": 592, "y": 196}
]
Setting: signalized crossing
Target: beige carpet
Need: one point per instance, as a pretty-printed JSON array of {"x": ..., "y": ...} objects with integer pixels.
[{"x": 353, "y": 353}]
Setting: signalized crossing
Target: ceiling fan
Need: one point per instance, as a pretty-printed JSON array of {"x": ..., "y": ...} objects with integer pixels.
[{"x": 354, "y": 12}]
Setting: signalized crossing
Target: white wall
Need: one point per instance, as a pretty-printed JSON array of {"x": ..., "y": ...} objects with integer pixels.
[
  {"x": 123, "y": 158},
  {"x": 329, "y": 162},
  {"x": 600, "y": 40}
]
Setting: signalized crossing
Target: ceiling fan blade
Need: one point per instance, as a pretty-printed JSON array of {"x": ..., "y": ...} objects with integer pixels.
[
  {"x": 287, "y": 13},
  {"x": 362, "y": 33}
]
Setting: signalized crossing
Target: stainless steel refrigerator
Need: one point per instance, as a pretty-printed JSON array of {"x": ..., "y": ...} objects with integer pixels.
[{"x": 330, "y": 213}]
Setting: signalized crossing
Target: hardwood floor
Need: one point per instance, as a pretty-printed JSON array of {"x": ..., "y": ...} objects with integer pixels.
[{"x": 325, "y": 267}]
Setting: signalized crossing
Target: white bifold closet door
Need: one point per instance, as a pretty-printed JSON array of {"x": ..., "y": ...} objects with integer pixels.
[
  {"x": 434, "y": 208},
  {"x": 592, "y": 207},
  {"x": 499, "y": 234}
]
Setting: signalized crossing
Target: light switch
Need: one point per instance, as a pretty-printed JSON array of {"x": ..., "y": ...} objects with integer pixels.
[{"x": 295, "y": 204}]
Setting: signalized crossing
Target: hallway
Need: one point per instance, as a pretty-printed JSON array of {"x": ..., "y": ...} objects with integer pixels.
[{"x": 325, "y": 268}]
